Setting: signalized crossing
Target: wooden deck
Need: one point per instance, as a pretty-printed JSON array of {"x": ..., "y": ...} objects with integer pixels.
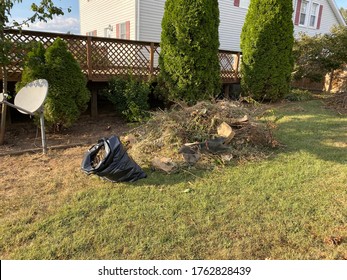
[{"x": 102, "y": 58}]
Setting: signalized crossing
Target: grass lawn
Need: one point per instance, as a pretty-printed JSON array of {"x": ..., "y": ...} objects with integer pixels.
[{"x": 291, "y": 205}]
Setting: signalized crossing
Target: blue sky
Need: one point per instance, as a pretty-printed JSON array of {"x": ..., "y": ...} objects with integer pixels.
[
  {"x": 341, "y": 3},
  {"x": 67, "y": 23},
  {"x": 70, "y": 21}
]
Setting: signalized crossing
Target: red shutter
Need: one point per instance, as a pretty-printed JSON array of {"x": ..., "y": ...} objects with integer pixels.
[
  {"x": 297, "y": 14},
  {"x": 117, "y": 31},
  {"x": 320, "y": 16},
  {"x": 127, "y": 29},
  {"x": 237, "y": 3}
]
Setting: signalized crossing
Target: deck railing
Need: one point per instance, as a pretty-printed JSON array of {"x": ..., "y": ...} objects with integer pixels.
[{"x": 101, "y": 58}]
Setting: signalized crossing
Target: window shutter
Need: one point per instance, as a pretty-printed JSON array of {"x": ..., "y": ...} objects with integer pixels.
[
  {"x": 237, "y": 3},
  {"x": 127, "y": 29},
  {"x": 117, "y": 31},
  {"x": 297, "y": 14},
  {"x": 320, "y": 16},
  {"x": 95, "y": 32}
]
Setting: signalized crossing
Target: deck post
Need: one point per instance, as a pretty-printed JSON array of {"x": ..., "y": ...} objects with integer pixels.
[
  {"x": 237, "y": 65},
  {"x": 89, "y": 57},
  {"x": 151, "y": 59}
]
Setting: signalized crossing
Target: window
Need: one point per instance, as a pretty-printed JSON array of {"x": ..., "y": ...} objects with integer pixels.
[
  {"x": 303, "y": 12},
  {"x": 308, "y": 14},
  {"x": 244, "y": 3},
  {"x": 314, "y": 14},
  {"x": 123, "y": 31}
]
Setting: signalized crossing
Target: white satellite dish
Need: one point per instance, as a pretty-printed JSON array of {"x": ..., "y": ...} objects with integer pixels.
[
  {"x": 32, "y": 96},
  {"x": 29, "y": 100}
]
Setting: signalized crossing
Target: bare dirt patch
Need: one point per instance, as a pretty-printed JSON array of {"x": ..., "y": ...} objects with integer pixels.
[
  {"x": 25, "y": 172},
  {"x": 26, "y": 137},
  {"x": 338, "y": 102}
]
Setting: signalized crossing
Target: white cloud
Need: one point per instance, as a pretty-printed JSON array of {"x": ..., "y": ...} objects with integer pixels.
[{"x": 57, "y": 24}]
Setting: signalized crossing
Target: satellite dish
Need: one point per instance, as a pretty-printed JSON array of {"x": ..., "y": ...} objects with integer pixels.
[
  {"x": 30, "y": 100},
  {"x": 31, "y": 97}
]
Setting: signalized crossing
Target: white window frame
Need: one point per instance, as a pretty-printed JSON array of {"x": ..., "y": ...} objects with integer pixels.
[
  {"x": 122, "y": 30},
  {"x": 308, "y": 13},
  {"x": 314, "y": 14},
  {"x": 304, "y": 8},
  {"x": 244, "y": 3}
]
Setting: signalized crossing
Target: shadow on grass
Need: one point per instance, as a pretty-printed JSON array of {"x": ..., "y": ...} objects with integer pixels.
[
  {"x": 308, "y": 126},
  {"x": 158, "y": 178}
]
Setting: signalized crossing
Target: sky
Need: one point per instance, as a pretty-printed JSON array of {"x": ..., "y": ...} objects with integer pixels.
[
  {"x": 70, "y": 21},
  {"x": 63, "y": 24},
  {"x": 341, "y": 3}
]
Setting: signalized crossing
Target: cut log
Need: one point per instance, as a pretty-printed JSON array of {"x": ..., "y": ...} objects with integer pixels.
[
  {"x": 224, "y": 130},
  {"x": 164, "y": 164}
]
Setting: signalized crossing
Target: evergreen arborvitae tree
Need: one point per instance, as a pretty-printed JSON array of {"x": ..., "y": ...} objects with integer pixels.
[
  {"x": 266, "y": 43},
  {"x": 68, "y": 94},
  {"x": 189, "y": 49}
]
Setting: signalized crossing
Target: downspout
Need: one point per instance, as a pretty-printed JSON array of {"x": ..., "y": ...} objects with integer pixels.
[{"x": 137, "y": 8}]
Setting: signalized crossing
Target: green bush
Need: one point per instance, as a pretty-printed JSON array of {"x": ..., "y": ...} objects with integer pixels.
[
  {"x": 67, "y": 94},
  {"x": 266, "y": 44},
  {"x": 130, "y": 97},
  {"x": 315, "y": 56},
  {"x": 189, "y": 60}
]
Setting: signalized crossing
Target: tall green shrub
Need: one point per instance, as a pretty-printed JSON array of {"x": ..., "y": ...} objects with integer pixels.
[
  {"x": 67, "y": 93},
  {"x": 266, "y": 44},
  {"x": 189, "y": 49}
]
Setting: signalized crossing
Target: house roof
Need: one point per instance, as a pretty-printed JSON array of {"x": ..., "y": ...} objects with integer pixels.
[{"x": 337, "y": 12}]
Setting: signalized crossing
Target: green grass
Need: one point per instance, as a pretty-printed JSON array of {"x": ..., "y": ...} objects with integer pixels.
[{"x": 292, "y": 205}]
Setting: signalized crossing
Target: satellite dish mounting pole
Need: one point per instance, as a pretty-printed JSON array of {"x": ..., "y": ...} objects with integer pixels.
[{"x": 43, "y": 133}]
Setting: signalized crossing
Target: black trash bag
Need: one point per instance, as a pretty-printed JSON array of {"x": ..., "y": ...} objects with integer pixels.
[{"x": 109, "y": 160}]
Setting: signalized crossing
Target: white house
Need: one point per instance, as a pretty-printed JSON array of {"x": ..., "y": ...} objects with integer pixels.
[{"x": 141, "y": 19}]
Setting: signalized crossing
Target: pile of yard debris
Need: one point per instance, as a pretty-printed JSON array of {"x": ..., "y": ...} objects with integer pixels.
[
  {"x": 204, "y": 134},
  {"x": 338, "y": 102}
]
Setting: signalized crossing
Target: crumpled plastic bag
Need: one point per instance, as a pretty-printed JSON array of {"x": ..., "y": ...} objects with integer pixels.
[{"x": 109, "y": 160}]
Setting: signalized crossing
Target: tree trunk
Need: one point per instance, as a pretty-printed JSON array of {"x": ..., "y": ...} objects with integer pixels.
[
  {"x": 331, "y": 81},
  {"x": 4, "y": 70},
  {"x": 4, "y": 107}
]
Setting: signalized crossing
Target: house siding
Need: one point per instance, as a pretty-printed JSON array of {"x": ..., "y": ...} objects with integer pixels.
[
  {"x": 99, "y": 14},
  {"x": 328, "y": 20},
  {"x": 145, "y": 18},
  {"x": 151, "y": 13},
  {"x": 232, "y": 19}
]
